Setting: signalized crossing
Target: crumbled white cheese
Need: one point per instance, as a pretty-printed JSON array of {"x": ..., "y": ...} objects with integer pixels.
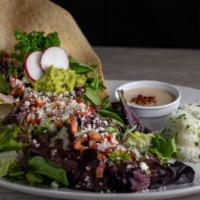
[
  {"x": 54, "y": 184},
  {"x": 34, "y": 141},
  {"x": 144, "y": 166}
]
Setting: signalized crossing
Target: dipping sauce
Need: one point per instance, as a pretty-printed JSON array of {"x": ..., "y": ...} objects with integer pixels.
[{"x": 149, "y": 96}]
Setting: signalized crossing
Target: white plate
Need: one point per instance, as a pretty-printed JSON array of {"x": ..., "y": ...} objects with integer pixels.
[{"x": 188, "y": 95}]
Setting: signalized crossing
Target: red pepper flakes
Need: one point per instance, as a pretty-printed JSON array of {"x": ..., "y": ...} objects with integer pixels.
[{"x": 144, "y": 100}]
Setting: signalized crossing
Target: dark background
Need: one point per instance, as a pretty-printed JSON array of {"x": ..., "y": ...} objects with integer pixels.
[{"x": 138, "y": 23}]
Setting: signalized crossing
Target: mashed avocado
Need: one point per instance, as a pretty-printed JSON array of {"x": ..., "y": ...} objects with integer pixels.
[{"x": 59, "y": 80}]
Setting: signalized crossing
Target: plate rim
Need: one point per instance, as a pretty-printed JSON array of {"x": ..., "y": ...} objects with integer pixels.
[{"x": 79, "y": 194}]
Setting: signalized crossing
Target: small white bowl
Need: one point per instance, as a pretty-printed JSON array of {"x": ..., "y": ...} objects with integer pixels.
[{"x": 152, "y": 111}]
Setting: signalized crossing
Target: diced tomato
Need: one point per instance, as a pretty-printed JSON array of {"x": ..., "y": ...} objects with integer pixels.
[
  {"x": 74, "y": 125},
  {"x": 39, "y": 103},
  {"x": 100, "y": 171},
  {"x": 29, "y": 119},
  {"x": 109, "y": 137},
  {"x": 109, "y": 150},
  {"x": 58, "y": 123},
  {"x": 94, "y": 146},
  {"x": 92, "y": 109},
  {"x": 95, "y": 136},
  {"x": 101, "y": 156},
  {"x": 32, "y": 109},
  {"x": 78, "y": 145},
  {"x": 37, "y": 121}
]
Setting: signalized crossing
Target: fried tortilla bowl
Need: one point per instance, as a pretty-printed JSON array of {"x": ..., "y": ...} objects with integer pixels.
[{"x": 43, "y": 15}]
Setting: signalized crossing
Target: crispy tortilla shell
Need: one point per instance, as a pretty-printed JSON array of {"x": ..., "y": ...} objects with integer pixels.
[{"x": 44, "y": 15}]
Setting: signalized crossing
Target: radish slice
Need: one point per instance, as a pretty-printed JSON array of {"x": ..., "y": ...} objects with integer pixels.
[
  {"x": 55, "y": 56},
  {"x": 32, "y": 66}
]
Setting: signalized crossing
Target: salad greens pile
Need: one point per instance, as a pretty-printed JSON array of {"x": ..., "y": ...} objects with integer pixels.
[
  {"x": 93, "y": 144},
  {"x": 94, "y": 83},
  {"x": 152, "y": 143},
  {"x": 34, "y": 41}
]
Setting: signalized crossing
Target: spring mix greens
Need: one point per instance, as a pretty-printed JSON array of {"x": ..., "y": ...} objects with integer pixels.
[{"x": 61, "y": 133}]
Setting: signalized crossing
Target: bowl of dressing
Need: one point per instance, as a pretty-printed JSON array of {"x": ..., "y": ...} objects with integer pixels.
[{"x": 151, "y": 98}]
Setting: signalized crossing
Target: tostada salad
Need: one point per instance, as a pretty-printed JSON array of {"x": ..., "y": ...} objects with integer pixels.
[{"x": 62, "y": 134}]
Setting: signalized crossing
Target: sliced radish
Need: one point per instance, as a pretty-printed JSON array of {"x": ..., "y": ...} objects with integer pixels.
[
  {"x": 55, "y": 56},
  {"x": 32, "y": 65}
]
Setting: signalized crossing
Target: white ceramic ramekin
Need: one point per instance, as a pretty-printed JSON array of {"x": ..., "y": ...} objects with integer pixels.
[{"x": 152, "y": 111}]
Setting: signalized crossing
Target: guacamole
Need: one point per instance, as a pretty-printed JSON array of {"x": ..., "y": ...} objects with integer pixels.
[{"x": 59, "y": 80}]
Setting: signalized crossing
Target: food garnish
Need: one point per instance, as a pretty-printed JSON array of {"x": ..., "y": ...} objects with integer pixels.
[
  {"x": 144, "y": 100},
  {"x": 55, "y": 56},
  {"x": 32, "y": 66},
  {"x": 149, "y": 96}
]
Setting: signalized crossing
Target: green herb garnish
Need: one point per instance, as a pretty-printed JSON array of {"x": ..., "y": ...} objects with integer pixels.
[{"x": 33, "y": 41}]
